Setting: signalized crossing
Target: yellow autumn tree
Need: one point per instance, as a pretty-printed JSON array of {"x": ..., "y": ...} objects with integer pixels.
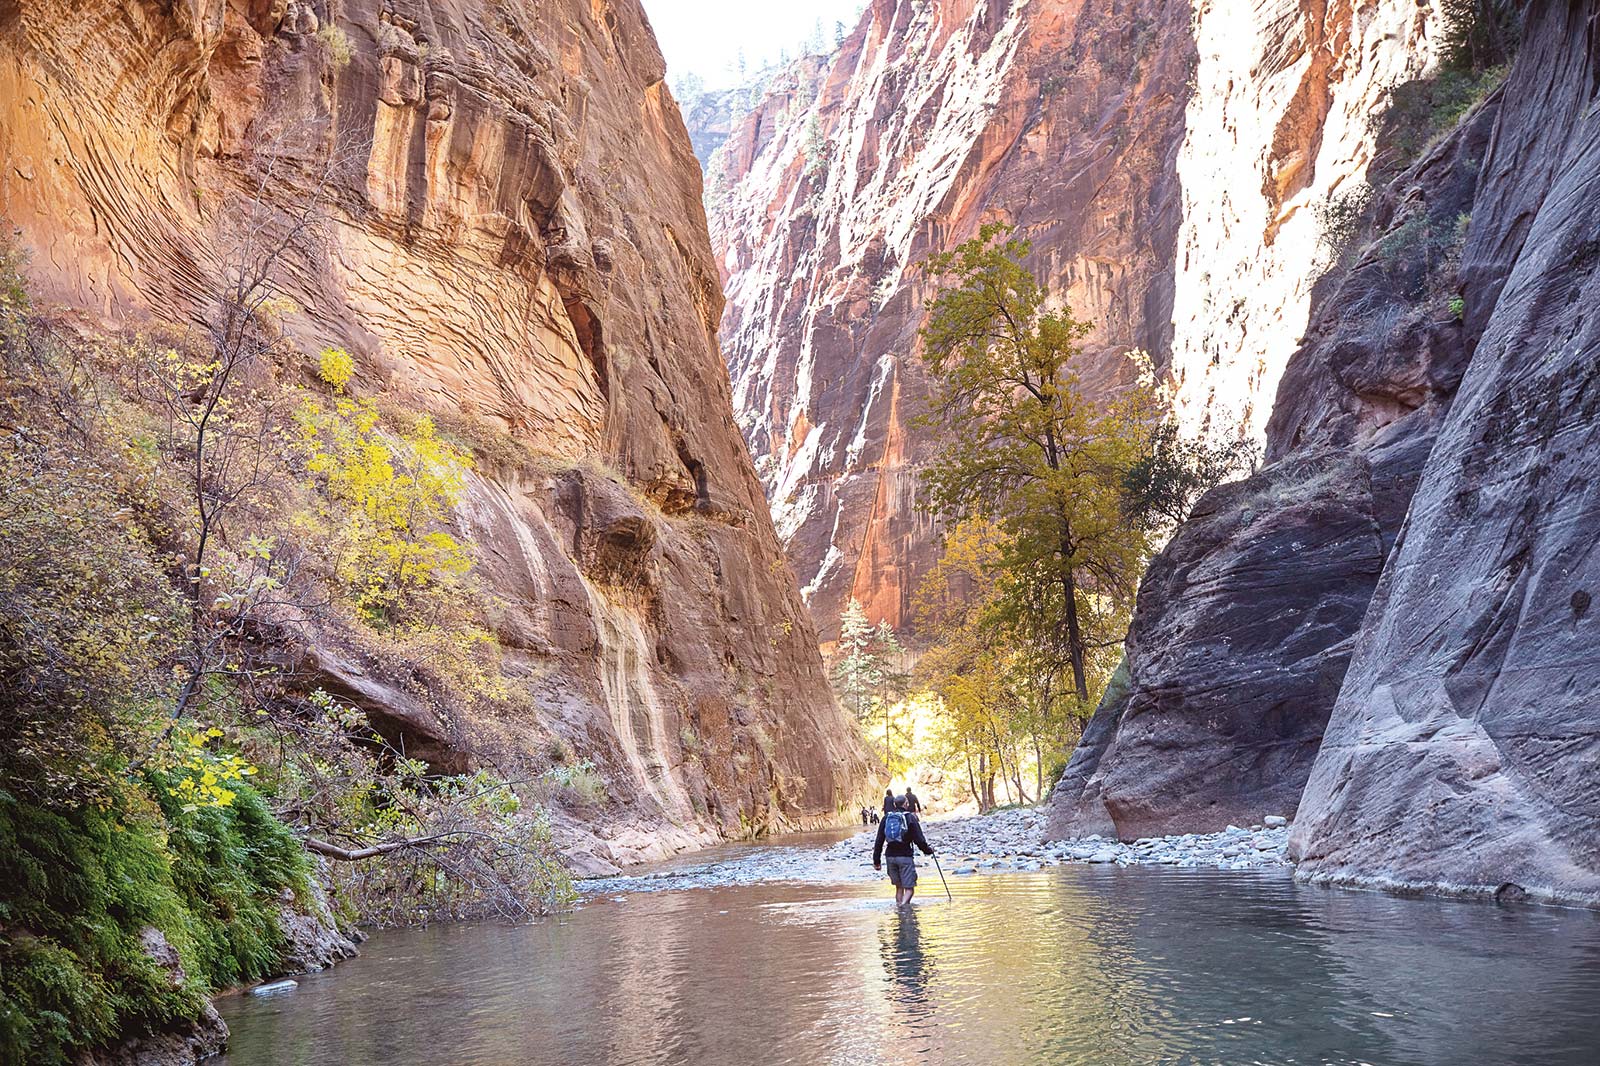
[{"x": 385, "y": 498}]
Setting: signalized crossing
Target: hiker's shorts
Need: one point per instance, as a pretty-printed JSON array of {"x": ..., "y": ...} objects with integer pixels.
[{"x": 902, "y": 871}]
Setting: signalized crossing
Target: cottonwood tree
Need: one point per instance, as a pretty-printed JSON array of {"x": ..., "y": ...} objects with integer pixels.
[
  {"x": 1026, "y": 449},
  {"x": 999, "y": 674}
]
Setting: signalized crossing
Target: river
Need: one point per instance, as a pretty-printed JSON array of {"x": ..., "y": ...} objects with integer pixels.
[{"x": 1091, "y": 965}]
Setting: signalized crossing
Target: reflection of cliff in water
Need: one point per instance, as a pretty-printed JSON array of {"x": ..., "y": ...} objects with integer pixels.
[{"x": 1075, "y": 965}]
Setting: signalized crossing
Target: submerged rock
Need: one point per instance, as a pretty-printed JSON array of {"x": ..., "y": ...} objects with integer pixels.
[{"x": 272, "y": 988}]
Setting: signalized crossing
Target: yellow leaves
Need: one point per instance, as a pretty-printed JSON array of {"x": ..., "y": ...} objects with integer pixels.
[
  {"x": 336, "y": 367},
  {"x": 388, "y": 497},
  {"x": 202, "y": 775}
]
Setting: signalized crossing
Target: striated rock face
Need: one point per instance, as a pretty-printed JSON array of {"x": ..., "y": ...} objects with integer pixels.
[
  {"x": 1463, "y": 749},
  {"x": 1396, "y": 612},
  {"x": 513, "y": 235},
  {"x": 1245, "y": 621},
  {"x": 1166, "y": 162},
  {"x": 931, "y": 119}
]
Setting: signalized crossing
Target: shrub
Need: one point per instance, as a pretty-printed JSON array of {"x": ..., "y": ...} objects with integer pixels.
[
  {"x": 385, "y": 501},
  {"x": 1479, "y": 38},
  {"x": 337, "y": 44},
  {"x": 78, "y": 888},
  {"x": 1341, "y": 220},
  {"x": 336, "y": 367},
  {"x": 577, "y": 784},
  {"x": 480, "y": 852}
]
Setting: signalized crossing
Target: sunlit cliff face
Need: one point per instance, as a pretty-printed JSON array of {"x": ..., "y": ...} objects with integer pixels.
[
  {"x": 1280, "y": 122},
  {"x": 509, "y": 229},
  {"x": 842, "y": 180},
  {"x": 1167, "y": 162}
]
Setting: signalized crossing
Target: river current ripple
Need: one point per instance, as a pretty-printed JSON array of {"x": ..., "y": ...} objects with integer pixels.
[{"x": 1093, "y": 965}]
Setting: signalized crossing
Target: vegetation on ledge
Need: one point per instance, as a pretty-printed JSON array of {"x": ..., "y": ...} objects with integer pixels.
[{"x": 183, "y": 513}]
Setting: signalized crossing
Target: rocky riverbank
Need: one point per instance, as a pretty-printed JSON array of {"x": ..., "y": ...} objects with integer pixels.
[
  {"x": 1005, "y": 841},
  {"x": 1013, "y": 840}
]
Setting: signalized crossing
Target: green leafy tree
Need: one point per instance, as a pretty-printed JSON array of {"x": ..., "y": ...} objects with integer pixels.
[
  {"x": 866, "y": 676},
  {"x": 1026, "y": 449},
  {"x": 1162, "y": 487}
]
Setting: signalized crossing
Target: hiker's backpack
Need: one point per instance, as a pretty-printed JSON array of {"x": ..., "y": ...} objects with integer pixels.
[{"x": 895, "y": 827}]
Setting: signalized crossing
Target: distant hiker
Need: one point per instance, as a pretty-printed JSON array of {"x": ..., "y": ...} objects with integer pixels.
[
  {"x": 873, "y": 811},
  {"x": 899, "y": 831},
  {"x": 913, "y": 804},
  {"x": 865, "y": 816},
  {"x": 888, "y": 800}
]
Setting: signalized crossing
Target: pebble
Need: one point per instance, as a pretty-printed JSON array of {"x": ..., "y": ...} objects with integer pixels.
[{"x": 1002, "y": 842}]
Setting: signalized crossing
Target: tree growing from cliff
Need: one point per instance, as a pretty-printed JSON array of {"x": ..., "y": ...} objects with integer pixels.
[
  {"x": 1162, "y": 487},
  {"x": 1026, "y": 448}
]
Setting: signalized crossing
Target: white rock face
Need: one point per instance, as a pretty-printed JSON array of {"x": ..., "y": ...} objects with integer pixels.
[{"x": 1281, "y": 122}]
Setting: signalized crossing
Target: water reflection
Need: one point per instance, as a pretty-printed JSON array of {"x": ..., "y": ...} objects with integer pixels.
[
  {"x": 906, "y": 967},
  {"x": 1073, "y": 966}
]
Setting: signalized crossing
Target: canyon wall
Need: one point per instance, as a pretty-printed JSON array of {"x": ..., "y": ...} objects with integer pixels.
[
  {"x": 1167, "y": 162},
  {"x": 1244, "y": 623},
  {"x": 1463, "y": 749},
  {"x": 1395, "y": 612},
  {"x": 508, "y": 231}
]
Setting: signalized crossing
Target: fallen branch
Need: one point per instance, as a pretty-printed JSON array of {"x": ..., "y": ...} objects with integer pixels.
[{"x": 334, "y": 851}]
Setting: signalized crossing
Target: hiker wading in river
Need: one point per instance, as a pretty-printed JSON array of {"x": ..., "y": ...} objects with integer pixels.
[{"x": 898, "y": 831}]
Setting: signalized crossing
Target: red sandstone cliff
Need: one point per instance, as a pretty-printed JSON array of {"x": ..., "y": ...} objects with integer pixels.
[
  {"x": 515, "y": 233},
  {"x": 1166, "y": 161}
]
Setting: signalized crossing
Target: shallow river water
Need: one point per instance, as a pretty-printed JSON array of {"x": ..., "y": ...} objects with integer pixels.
[{"x": 1100, "y": 966}]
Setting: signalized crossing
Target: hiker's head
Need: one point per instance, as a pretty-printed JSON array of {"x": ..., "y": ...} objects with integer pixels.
[{"x": 897, "y": 803}]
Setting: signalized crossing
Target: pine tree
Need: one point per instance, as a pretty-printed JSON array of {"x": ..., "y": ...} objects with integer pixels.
[
  {"x": 867, "y": 677},
  {"x": 856, "y": 671}
]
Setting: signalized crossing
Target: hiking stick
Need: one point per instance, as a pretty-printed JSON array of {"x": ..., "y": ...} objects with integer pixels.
[{"x": 942, "y": 881}]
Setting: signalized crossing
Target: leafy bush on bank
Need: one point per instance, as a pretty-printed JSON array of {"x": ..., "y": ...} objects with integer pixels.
[
  {"x": 80, "y": 887},
  {"x": 167, "y": 542}
]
